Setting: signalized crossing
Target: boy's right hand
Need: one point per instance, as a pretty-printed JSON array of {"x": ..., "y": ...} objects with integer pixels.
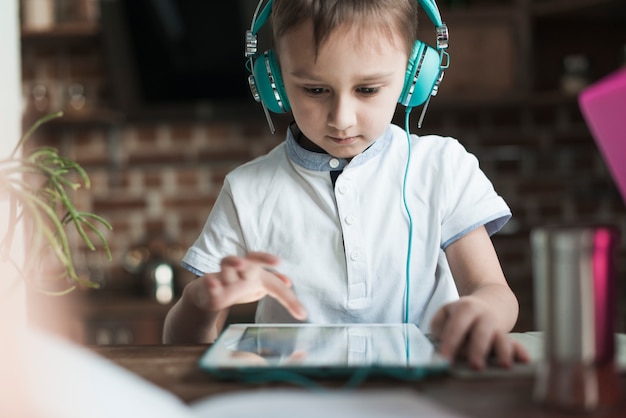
[{"x": 246, "y": 279}]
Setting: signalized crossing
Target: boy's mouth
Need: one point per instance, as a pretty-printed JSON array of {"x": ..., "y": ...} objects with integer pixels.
[{"x": 343, "y": 140}]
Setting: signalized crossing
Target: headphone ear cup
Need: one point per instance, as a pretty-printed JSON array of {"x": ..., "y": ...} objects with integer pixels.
[
  {"x": 269, "y": 83},
  {"x": 422, "y": 73}
]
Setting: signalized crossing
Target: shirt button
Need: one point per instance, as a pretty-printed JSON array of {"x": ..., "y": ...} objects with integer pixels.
[
  {"x": 349, "y": 219},
  {"x": 333, "y": 163},
  {"x": 355, "y": 255},
  {"x": 342, "y": 188}
]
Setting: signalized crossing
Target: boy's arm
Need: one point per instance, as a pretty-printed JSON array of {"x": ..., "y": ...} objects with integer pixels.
[
  {"x": 187, "y": 323},
  {"x": 477, "y": 324},
  {"x": 200, "y": 313}
]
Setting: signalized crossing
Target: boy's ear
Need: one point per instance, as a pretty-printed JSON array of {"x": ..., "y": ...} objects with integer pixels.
[
  {"x": 268, "y": 83},
  {"x": 422, "y": 75}
]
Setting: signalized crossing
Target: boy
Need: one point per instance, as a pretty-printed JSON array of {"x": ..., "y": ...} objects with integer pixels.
[{"x": 325, "y": 208}]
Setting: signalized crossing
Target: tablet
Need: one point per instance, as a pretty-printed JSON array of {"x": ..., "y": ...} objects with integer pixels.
[{"x": 338, "y": 350}]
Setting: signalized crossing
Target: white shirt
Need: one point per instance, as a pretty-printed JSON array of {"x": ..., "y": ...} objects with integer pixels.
[{"x": 345, "y": 247}]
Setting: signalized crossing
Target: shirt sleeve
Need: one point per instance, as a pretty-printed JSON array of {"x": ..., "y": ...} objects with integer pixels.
[
  {"x": 469, "y": 198},
  {"x": 221, "y": 236}
]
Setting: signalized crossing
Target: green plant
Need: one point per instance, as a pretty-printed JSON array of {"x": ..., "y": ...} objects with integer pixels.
[{"x": 38, "y": 189}]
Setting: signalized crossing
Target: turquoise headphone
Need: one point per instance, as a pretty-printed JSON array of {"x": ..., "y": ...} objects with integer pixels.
[{"x": 423, "y": 75}]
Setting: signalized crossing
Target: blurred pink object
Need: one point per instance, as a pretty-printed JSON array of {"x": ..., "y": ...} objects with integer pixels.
[{"x": 603, "y": 105}]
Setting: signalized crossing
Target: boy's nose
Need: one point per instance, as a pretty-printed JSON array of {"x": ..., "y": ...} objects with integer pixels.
[{"x": 342, "y": 114}]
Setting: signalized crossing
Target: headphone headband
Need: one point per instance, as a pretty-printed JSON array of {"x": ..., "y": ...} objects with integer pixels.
[
  {"x": 259, "y": 19},
  {"x": 261, "y": 16},
  {"x": 424, "y": 70}
]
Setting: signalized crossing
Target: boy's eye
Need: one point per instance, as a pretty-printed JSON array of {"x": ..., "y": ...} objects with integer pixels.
[
  {"x": 314, "y": 91},
  {"x": 368, "y": 91}
]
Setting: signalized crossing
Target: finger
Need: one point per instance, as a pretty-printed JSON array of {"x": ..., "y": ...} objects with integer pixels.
[
  {"x": 263, "y": 258},
  {"x": 231, "y": 261},
  {"x": 230, "y": 275},
  {"x": 268, "y": 261},
  {"x": 520, "y": 353},
  {"x": 236, "y": 268},
  {"x": 510, "y": 351},
  {"x": 285, "y": 296},
  {"x": 504, "y": 350},
  {"x": 249, "y": 358},
  {"x": 296, "y": 357},
  {"x": 251, "y": 262},
  {"x": 438, "y": 322},
  {"x": 233, "y": 285},
  {"x": 482, "y": 338},
  {"x": 286, "y": 281},
  {"x": 454, "y": 333}
]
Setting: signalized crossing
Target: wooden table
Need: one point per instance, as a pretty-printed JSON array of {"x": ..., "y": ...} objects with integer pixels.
[{"x": 174, "y": 368}]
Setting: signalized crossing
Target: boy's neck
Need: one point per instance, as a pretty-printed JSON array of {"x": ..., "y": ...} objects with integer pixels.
[{"x": 303, "y": 141}]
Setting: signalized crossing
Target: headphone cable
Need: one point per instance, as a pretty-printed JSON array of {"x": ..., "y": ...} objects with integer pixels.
[{"x": 410, "y": 218}]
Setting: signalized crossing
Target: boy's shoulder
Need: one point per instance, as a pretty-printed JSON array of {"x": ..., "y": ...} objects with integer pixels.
[
  {"x": 264, "y": 165},
  {"x": 428, "y": 142},
  {"x": 423, "y": 136}
]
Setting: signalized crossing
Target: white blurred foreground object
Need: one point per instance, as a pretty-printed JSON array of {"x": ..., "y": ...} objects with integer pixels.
[
  {"x": 69, "y": 381},
  {"x": 328, "y": 404}
]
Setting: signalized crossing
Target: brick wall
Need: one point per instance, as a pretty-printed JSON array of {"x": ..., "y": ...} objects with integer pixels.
[
  {"x": 160, "y": 180},
  {"x": 543, "y": 161}
]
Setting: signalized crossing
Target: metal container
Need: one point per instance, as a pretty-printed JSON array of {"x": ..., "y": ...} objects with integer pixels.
[{"x": 575, "y": 286}]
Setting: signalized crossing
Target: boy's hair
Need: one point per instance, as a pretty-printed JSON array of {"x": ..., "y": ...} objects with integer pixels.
[{"x": 390, "y": 16}]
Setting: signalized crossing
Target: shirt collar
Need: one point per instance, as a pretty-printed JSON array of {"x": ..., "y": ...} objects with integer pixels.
[{"x": 321, "y": 161}]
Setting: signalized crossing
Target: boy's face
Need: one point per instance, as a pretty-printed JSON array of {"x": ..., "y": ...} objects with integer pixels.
[{"x": 343, "y": 100}]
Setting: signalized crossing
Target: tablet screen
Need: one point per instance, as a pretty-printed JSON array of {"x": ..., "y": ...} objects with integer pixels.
[{"x": 330, "y": 349}]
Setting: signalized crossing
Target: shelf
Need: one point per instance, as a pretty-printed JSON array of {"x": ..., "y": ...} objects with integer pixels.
[
  {"x": 551, "y": 98},
  {"x": 478, "y": 99},
  {"x": 62, "y": 33},
  {"x": 111, "y": 308},
  {"x": 96, "y": 117},
  {"x": 577, "y": 8},
  {"x": 486, "y": 101},
  {"x": 92, "y": 117},
  {"x": 476, "y": 14}
]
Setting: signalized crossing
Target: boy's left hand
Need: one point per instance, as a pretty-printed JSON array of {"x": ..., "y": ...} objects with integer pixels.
[{"x": 466, "y": 329}]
